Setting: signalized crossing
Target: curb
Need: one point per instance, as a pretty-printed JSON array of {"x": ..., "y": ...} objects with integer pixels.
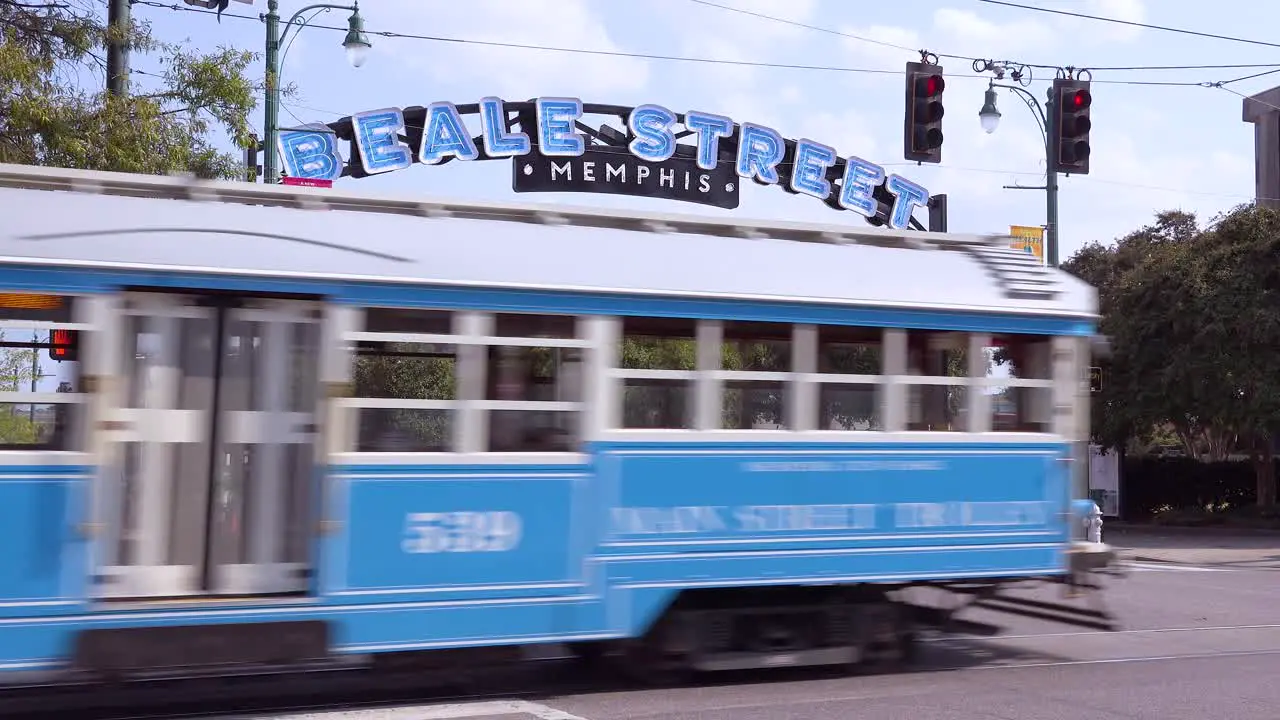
[{"x": 1122, "y": 528}]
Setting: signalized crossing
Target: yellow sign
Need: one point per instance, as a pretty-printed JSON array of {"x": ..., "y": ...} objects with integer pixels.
[{"x": 1028, "y": 239}]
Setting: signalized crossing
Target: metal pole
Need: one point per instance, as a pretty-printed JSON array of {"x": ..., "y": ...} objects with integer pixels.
[
  {"x": 270, "y": 123},
  {"x": 938, "y": 213},
  {"x": 1050, "y": 187},
  {"x": 118, "y": 25},
  {"x": 35, "y": 370}
]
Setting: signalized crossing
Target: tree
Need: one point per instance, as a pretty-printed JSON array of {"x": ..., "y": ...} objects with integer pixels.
[
  {"x": 1240, "y": 324},
  {"x": 1144, "y": 261},
  {"x": 50, "y": 52},
  {"x": 19, "y": 367},
  {"x": 1194, "y": 318}
]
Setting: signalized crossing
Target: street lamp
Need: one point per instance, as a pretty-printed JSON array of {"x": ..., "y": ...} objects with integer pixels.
[
  {"x": 989, "y": 116},
  {"x": 356, "y": 44}
]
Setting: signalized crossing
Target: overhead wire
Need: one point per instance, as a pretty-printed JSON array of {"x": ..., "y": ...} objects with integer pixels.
[
  {"x": 1222, "y": 85},
  {"x": 1131, "y": 23},
  {"x": 289, "y": 107},
  {"x": 740, "y": 63}
]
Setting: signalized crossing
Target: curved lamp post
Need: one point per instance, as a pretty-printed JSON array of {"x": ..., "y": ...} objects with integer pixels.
[
  {"x": 989, "y": 116},
  {"x": 357, "y": 47}
]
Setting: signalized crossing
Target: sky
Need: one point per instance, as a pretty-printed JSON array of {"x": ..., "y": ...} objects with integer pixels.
[{"x": 1155, "y": 146}]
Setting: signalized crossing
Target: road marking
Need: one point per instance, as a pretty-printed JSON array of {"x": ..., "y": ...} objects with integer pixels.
[{"x": 492, "y": 708}]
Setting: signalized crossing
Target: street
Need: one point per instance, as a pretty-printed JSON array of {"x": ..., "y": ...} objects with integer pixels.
[{"x": 1199, "y": 640}]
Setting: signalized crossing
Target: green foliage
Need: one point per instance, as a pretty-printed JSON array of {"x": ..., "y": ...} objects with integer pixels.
[
  {"x": 18, "y": 367},
  {"x": 54, "y": 112},
  {"x": 409, "y": 371},
  {"x": 1194, "y": 318}
]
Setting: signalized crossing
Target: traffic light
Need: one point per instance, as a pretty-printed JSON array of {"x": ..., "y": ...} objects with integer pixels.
[
  {"x": 64, "y": 345},
  {"x": 1070, "y": 140},
  {"x": 922, "y": 129}
]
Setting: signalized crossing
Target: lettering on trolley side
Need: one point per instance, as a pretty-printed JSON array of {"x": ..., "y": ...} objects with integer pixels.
[
  {"x": 462, "y": 532},
  {"x": 742, "y": 518},
  {"x": 971, "y": 514},
  {"x": 766, "y": 519}
]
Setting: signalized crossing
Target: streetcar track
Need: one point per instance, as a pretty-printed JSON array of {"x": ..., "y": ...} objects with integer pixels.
[
  {"x": 1088, "y": 633},
  {"x": 1137, "y": 659},
  {"x": 269, "y": 694}
]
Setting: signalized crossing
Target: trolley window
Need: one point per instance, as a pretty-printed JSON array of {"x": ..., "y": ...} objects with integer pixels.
[
  {"x": 405, "y": 382},
  {"x": 1019, "y": 381},
  {"x": 39, "y": 372},
  {"x": 657, "y": 361},
  {"x": 850, "y": 366},
  {"x": 435, "y": 381}
]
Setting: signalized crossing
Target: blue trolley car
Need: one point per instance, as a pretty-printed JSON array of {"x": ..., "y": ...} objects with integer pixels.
[{"x": 245, "y": 425}]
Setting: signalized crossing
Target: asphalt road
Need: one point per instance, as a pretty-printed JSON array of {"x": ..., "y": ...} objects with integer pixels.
[{"x": 1197, "y": 642}]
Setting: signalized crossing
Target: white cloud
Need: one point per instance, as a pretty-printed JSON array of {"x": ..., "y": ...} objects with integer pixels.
[
  {"x": 964, "y": 32},
  {"x": 849, "y": 132},
  {"x": 1127, "y": 10},
  {"x": 739, "y": 38},
  {"x": 881, "y": 48},
  {"x": 512, "y": 72},
  {"x": 856, "y": 114}
]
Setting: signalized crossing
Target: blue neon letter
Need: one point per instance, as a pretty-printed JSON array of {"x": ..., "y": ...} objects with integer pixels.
[
  {"x": 445, "y": 135},
  {"x": 651, "y": 124},
  {"x": 497, "y": 141},
  {"x": 556, "y": 137},
  {"x": 377, "y": 143},
  {"x": 710, "y": 129},
  {"x": 907, "y": 195},
  {"x": 809, "y": 176},
  {"x": 760, "y": 150},
  {"x": 310, "y": 154},
  {"x": 861, "y": 178}
]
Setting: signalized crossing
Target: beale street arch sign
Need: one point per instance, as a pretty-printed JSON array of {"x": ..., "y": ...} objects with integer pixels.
[{"x": 554, "y": 147}]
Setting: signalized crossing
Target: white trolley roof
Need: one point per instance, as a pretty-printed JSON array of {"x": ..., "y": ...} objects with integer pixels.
[{"x": 87, "y": 219}]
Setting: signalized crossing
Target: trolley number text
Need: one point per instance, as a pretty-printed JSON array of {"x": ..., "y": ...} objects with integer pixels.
[{"x": 462, "y": 532}]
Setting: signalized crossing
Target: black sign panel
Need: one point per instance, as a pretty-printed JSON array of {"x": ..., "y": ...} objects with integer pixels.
[{"x": 614, "y": 171}]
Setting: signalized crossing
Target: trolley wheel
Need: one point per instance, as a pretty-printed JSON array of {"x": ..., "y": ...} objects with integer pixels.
[
  {"x": 649, "y": 664},
  {"x": 663, "y": 656},
  {"x": 889, "y": 643},
  {"x": 588, "y": 652}
]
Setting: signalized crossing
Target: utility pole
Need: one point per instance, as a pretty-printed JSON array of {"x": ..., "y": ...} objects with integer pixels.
[
  {"x": 1050, "y": 186},
  {"x": 271, "y": 106},
  {"x": 118, "y": 24},
  {"x": 990, "y": 116},
  {"x": 1064, "y": 122},
  {"x": 356, "y": 44}
]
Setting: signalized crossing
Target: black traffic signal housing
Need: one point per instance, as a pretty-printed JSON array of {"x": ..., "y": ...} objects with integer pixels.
[
  {"x": 922, "y": 127},
  {"x": 1069, "y": 134}
]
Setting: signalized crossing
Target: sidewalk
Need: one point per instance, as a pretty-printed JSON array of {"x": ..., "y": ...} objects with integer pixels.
[{"x": 1194, "y": 546}]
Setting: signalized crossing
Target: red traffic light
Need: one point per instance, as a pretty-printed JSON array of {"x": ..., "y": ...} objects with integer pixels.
[
  {"x": 62, "y": 344},
  {"x": 1079, "y": 100},
  {"x": 922, "y": 121},
  {"x": 928, "y": 86}
]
